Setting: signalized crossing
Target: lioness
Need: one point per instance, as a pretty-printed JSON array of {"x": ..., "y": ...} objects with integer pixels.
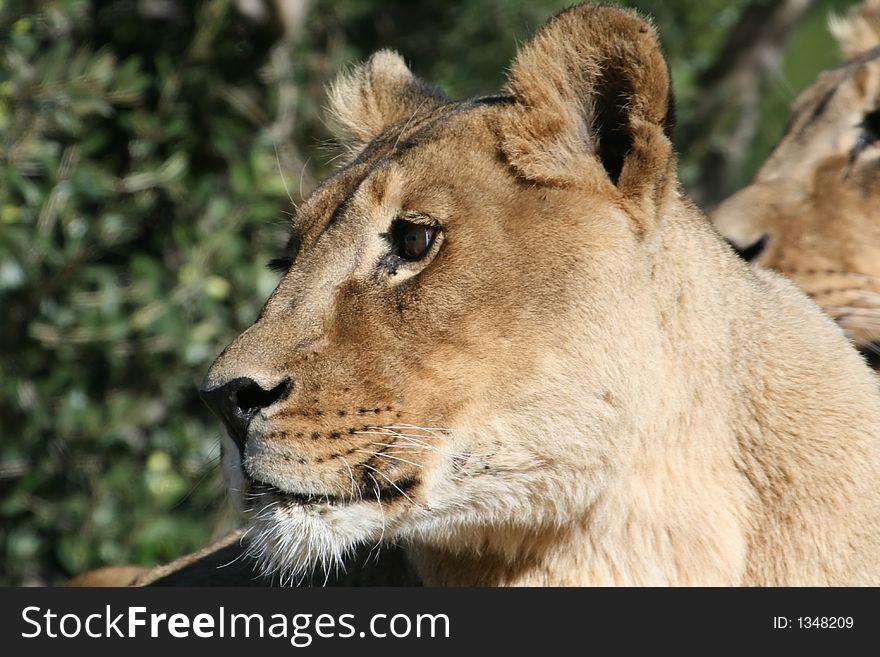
[
  {"x": 813, "y": 210},
  {"x": 506, "y": 339}
]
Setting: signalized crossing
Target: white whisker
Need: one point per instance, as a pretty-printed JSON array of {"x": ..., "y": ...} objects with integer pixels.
[
  {"x": 408, "y": 121},
  {"x": 387, "y": 456},
  {"x": 412, "y": 426},
  {"x": 411, "y": 439},
  {"x": 381, "y": 510},
  {"x": 302, "y": 175},
  {"x": 350, "y": 476},
  {"x": 283, "y": 181},
  {"x": 392, "y": 483},
  {"x": 406, "y": 447}
]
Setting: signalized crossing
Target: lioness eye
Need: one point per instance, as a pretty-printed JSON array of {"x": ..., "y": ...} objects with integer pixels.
[
  {"x": 412, "y": 241},
  {"x": 871, "y": 124},
  {"x": 869, "y": 135}
]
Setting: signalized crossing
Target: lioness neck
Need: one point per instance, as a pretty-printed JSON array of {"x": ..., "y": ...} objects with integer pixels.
[
  {"x": 616, "y": 544},
  {"x": 703, "y": 497},
  {"x": 672, "y": 513}
]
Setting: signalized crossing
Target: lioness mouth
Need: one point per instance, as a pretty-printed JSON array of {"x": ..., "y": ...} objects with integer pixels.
[
  {"x": 309, "y": 500},
  {"x": 260, "y": 488},
  {"x": 381, "y": 494},
  {"x": 871, "y": 353}
]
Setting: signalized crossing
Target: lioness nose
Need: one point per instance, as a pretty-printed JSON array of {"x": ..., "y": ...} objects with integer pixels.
[{"x": 238, "y": 401}]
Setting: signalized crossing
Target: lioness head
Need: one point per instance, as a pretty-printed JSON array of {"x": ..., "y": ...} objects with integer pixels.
[
  {"x": 813, "y": 210},
  {"x": 506, "y": 339},
  {"x": 454, "y": 262}
]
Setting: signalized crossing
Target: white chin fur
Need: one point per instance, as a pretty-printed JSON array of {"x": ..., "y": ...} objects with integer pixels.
[{"x": 290, "y": 541}]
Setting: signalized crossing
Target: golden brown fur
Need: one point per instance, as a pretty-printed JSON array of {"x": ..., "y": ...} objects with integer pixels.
[
  {"x": 816, "y": 201},
  {"x": 108, "y": 576},
  {"x": 578, "y": 384},
  {"x": 859, "y": 31}
]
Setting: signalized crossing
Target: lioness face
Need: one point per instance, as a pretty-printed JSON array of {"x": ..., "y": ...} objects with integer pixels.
[
  {"x": 428, "y": 285},
  {"x": 813, "y": 210}
]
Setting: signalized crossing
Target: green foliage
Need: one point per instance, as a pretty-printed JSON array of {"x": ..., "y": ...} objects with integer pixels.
[
  {"x": 137, "y": 202},
  {"x": 145, "y": 163}
]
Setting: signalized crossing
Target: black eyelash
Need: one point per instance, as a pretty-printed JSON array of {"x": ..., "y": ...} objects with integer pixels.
[
  {"x": 280, "y": 265},
  {"x": 285, "y": 261}
]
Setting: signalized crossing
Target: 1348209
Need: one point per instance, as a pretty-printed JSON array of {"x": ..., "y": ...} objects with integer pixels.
[{"x": 824, "y": 622}]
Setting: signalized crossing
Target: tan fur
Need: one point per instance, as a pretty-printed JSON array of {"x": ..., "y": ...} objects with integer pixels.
[
  {"x": 378, "y": 93},
  {"x": 108, "y": 576},
  {"x": 859, "y": 31},
  {"x": 580, "y": 384},
  {"x": 817, "y": 198}
]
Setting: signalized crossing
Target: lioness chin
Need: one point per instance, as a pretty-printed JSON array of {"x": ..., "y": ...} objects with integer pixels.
[{"x": 507, "y": 340}]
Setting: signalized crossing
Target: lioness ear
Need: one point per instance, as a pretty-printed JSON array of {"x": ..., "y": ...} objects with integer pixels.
[
  {"x": 377, "y": 94},
  {"x": 591, "y": 88},
  {"x": 859, "y": 31}
]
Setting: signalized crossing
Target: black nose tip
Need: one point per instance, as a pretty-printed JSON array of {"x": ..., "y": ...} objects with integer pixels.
[
  {"x": 751, "y": 251},
  {"x": 238, "y": 401}
]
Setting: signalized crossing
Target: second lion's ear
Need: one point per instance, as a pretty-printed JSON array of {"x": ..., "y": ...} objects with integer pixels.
[
  {"x": 379, "y": 93},
  {"x": 858, "y": 31}
]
